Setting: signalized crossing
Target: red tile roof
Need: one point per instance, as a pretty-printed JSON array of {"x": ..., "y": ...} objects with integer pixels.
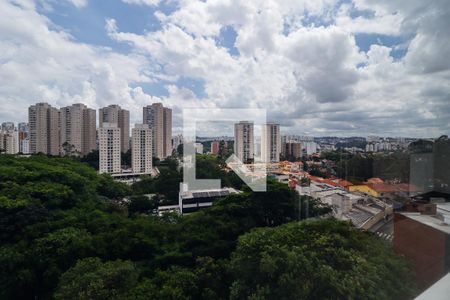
[{"x": 375, "y": 180}]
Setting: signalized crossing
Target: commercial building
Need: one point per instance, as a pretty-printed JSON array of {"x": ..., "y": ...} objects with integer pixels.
[
  {"x": 44, "y": 123},
  {"x": 109, "y": 142},
  {"x": 159, "y": 118},
  {"x": 141, "y": 149},
  {"x": 270, "y": 142},
  {"x": 244, "y": 141},
  {"x": 78, "y": 129},
  {"x": 114, "y": 114}
]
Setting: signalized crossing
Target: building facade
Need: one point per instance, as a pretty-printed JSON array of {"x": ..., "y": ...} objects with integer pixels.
[
  {"x": 141, "y": 149},
  {"x": 244, "y": 141},
  {"x": 44, "y": 124},
  {"x": 167, "y": 132},
  {"x": 159, "y": 118},
  {"x": 424, "y": 239},
  {"x": 114, "y": 114},
  {"x": 24, "y": 134},
  {"x": 9, "y": 142},
  {"x": 291, "y": 150},
  {"x": 215, "y": 146},
  {"x": 109, "y": 142},
  {"x": 270, "y": 142},
  {"x": 78, "y": 129}
]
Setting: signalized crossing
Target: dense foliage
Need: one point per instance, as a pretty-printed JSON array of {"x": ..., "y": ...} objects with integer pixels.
[
  {"x": 166, "y": 185},
  {"x": 360, "y": 167},
  {"x": 67, "y": 233}
]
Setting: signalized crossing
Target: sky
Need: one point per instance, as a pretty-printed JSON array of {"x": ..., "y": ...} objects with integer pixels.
[{"x": 319, "y": 67}]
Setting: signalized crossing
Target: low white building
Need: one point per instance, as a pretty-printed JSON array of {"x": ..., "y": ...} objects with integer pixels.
[
  {"x": 193, "y": 200},
  {"x": 198, "y": 148}
]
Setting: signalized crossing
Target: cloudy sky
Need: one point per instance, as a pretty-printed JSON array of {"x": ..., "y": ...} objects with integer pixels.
[{"x": 319, "y": 67}]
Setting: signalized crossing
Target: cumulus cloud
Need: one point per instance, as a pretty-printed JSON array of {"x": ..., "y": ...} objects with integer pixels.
[
  {"x": 40, "y": 64},
  {"x": 299, "y": 59},
  {"x": 142, "y": 2}
]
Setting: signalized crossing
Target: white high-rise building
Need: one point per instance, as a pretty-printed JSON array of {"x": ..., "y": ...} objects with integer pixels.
[
  {"x": 114, "y": 114},
  {"x": 9, "y": 142},
  {"x": 244, "y": 141},
  {"x": 311, "y": 148},
  {"x": 159, "y": 118},
  {"x": 141, "y": 149},
  {"x": 24, "y": 146},
  {"x": 78, "y": 129},
  {"x": 198, "y": 148},
  {"x": 270, "y": 142},
  {"x": 109, "y": 142},
  {"x": 24, "y": 138},
  {"x": 44, "y": 121}
]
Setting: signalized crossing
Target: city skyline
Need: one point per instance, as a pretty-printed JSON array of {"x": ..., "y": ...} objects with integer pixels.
[{"x": 338, "y": 68}]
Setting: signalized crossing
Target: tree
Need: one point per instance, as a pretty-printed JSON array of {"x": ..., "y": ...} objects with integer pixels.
[
  {"x": 317, "y": 259},
  {"x": 68, "y": 149},
  {"x": 92, "y": 159},
  {"x": 64, "y": 234},
  {"x": 91, "y": 278},
  {"x": 142, "y": 204}
]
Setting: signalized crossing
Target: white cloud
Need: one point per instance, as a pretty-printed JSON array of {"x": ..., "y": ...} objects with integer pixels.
[
  {"x": 78, "y": 3},
  {"x": 39, "y": 64},
  {"x": 380, "y": 23},
  {"x": 296, "y": 58},
  {"x": 142, "y": 2}
]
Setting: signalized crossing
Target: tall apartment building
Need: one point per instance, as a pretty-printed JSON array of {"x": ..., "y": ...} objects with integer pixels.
[
  {"x": 270, "y": 142},
  {"x": 78, "y": 129},
  {"x": 109, "y": 142},
  {"x": 244, "y": 141},
  {"x": 291, "y": 150},
  {"x": 215, "y": 146},
  {"x": 114, "y": 114},
  {"x": 141, "y": 149},
  {"x": 24, "y": 142},
  {"x": 167, "y": 132},
  {"x": 44, "y": 123},
  {"x": 9, "y": 142},
  {"x": 159, "y": 118}
]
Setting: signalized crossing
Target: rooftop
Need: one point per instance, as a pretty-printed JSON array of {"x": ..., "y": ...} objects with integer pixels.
[
  {"x": 429, "y": 220},
  {"x": 438, "y": 291},
  {"x": 208, "y": 193}
]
